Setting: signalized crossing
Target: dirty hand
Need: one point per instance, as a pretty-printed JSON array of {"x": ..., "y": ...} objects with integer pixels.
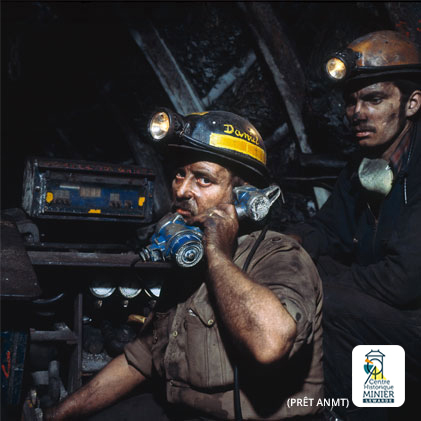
[{"x": 220, "y": 227}]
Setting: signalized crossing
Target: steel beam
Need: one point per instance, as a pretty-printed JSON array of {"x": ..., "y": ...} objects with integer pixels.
[
  {"x": 176, "y": 84},
  {"x": 228, "y": 78},
  {"x": 282, "y": 62}
]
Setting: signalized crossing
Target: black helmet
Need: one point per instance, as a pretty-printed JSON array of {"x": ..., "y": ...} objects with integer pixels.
[
  {"x": 218, "y": 134},
  {"x": 375, "y": 54}
]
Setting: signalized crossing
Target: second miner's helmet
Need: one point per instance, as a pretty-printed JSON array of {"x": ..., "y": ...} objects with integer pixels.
[
  {"x": 218, "y": 134},
  {"x": 375, "y": 54}
]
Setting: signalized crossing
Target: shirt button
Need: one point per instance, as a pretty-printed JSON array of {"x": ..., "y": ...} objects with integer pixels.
[
  {"x": 210, "y": 322},
  {"x": 175, "y": 333}
]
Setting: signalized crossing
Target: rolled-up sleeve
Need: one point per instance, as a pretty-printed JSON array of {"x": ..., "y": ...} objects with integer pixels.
[
  {"x": 287, "y": 270},
  {"x": 138, "y": 354}
]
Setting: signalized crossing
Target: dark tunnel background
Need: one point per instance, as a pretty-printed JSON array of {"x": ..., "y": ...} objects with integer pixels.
[{"x": 76, "y": 85}]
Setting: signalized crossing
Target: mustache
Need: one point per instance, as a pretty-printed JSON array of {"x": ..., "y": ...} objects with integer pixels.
[
  {"x": 357, "y": 127},
  {"x": 185, "y": 204}
]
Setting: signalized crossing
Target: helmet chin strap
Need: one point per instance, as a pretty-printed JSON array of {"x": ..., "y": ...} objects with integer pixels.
[{"x": 376, "y": 175}]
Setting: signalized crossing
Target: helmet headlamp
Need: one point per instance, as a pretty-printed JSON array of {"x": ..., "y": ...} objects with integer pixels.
[
  {"x": 377, "y": 54},
  {"x": 341, "y": 64},
  {"x": 216, "y": 134},
  {"x": 336, "y": 68},
  {"x": 159, "y": 125},
  {"x": 163, "y": 124}
]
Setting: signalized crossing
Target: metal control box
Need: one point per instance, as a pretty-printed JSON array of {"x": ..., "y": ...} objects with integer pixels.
[{"x": 82, "y": 190}]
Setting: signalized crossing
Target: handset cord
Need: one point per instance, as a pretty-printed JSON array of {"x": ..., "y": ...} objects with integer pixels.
[{"x": 237, "y": 402}]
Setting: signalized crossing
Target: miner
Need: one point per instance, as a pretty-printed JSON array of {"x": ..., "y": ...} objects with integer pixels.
[
  {"x": 366, "y": 239},
  {"x": 238, "y": 336}
]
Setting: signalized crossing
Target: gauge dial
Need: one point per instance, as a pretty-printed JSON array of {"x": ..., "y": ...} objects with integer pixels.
[
  {"x": 101, "y": 288},
  {"x": 130, "y": 288}
]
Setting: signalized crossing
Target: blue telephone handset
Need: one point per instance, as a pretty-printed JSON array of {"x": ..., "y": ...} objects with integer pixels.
[{"x": 176, "y": 241}]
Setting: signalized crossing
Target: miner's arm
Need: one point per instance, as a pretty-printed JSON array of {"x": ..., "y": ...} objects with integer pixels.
[
  {"x": 112, "y": 382},
  {"x": 253, "y": 315}
]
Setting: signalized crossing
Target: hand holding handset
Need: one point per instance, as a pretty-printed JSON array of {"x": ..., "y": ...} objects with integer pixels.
[{"x": 173, "y": 240}]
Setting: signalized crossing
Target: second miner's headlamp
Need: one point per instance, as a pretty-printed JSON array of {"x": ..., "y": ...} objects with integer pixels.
[
  {"x": 375, "y": 54},
  {"x": 341, "y": 64}
]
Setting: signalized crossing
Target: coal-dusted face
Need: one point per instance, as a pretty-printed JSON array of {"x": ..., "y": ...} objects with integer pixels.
[
  {"x": 199, "y": 186},
  {"x": 376, "y": 116}
]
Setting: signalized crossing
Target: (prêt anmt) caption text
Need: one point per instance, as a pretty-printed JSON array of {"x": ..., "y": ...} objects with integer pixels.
[{"x": 330, "y": 403}]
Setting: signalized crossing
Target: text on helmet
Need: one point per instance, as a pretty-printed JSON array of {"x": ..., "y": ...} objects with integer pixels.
[{"x": 230, "y": 129}]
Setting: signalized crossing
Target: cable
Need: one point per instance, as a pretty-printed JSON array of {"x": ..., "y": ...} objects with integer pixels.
[
  {"x": 134, "y": 261},
  {"x": 147, "y": 290},
  {"x": 43, "y": 301},
  {"x": 237, "y": 402},
  {"x": 254, "y": 248}
]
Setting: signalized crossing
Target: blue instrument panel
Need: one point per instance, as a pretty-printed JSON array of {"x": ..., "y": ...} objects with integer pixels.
[{"x": 87, "y": 190}]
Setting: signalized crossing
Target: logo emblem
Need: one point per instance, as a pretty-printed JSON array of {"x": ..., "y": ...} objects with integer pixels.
[
  {"x": 374, "y": 365},
  {"x": 378, "y": 375}
]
